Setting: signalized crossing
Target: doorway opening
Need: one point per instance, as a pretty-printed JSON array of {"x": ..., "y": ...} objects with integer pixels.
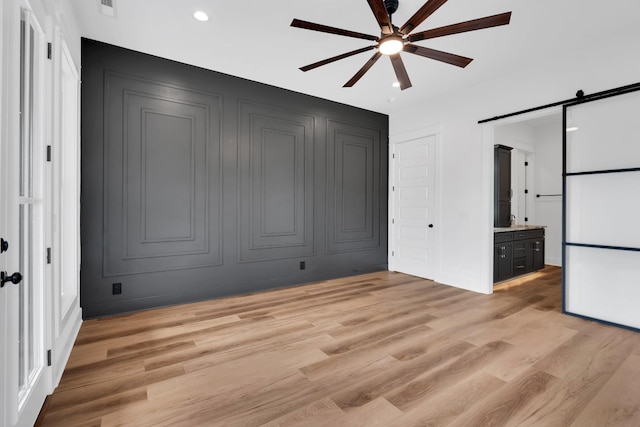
[{"x": 535, "y": 141}]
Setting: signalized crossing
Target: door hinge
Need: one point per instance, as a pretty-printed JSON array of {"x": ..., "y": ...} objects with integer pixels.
[
  {"x": 526, "y": 219},
  {"x": 393, "y": 155},
  {"x": 393, "y": 188},
  {"x": 526, "y": 163},
  {"x": 526, "y": 191},
  {"x": 49, "y": 49},
  {"x": 48, "y": 153},
  {"x": 393, "y": 221},
  {"x": 48, "y": 255},
  {"x": 48, "y": 357},
  {"x": 393, "y": 253}
]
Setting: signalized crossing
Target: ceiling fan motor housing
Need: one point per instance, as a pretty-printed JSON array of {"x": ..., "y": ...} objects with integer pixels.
[{"x": 391, "y": 6}]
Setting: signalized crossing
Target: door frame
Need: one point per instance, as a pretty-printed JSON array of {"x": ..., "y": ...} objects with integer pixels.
[
  {"x": 435, "y": 131},
  {"x": 66, "y": 319},
  {"x": 488, "y": 141}
]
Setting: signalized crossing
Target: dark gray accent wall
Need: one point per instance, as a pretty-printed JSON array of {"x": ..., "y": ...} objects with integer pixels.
[{"x": 198, "y": 185}]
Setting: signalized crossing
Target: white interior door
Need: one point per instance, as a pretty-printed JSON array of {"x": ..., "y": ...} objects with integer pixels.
[
  {"x": 3, "y": 219},
  {"x": 23, "y": 348},
  {"x": 413, "y": 190}
]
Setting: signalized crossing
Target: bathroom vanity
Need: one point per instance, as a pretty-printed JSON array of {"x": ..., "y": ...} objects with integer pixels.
[{"x": 517, "y": 250}]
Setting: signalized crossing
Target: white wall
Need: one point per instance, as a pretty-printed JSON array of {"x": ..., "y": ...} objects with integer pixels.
[
  {"x": 548, "y": 180},
  {"x": 467, "y": 147}
]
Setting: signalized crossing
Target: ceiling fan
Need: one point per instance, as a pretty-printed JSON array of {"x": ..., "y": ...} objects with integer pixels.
[{"x": 394, "y": 40}]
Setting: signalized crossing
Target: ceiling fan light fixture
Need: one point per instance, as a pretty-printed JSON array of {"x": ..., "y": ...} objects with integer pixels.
[
  {"x": 394, "y": 39},
  {"x": 390, "y": 45},
  {"x": 201, "y": 16}
]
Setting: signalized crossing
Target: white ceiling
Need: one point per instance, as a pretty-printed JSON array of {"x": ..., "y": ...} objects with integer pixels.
[{"x": 253, "y": 39}]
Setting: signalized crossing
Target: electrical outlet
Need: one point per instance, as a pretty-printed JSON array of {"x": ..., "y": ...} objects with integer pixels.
[
  {"x": 303, "y": 265},
  {"x": 116, "y": 288}
]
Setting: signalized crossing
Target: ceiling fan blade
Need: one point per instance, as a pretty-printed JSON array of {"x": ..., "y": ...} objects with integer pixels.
[
  {"x": 335, "y": 58},
  {"x": 401, "y": 71},
  {"x": 380, "y": 12},
  {"x": 331, "y": 30},
  {"x": 438, "y": 55},
  {"x": 423, "y": 13},
  {"x": 462, "y": 27},
  {"x": 363, "y": 70}
]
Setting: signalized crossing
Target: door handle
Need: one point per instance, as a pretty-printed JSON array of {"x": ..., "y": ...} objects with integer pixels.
[
  {"x": 430, "y": 225},
  {"x": 15, "y": 278}
]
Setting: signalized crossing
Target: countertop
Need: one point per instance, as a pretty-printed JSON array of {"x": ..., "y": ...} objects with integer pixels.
[{"x": 518, "y": 227}]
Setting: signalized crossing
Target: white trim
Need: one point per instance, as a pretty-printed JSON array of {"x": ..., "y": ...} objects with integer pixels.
[
  {"x": 554, "y": 261},
  {"x": 64, "y": 344},
  {"x": 415, "y": 134},
  {"x": 486, "y": 254},
  {"x": 66, "y": 318}
]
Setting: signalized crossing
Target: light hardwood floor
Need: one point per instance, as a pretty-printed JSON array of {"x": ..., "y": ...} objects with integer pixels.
[{"x": 383, "y": 349}]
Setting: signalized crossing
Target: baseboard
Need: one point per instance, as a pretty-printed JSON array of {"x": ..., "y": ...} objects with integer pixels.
[
  {"x": 553, "y": 261},
  {"x": 64, "y": 345},
  {"x": 460, "y": 282}
]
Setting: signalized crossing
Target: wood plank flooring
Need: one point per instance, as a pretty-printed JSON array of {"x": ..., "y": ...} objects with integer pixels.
[{"x": 383, "y": 349}]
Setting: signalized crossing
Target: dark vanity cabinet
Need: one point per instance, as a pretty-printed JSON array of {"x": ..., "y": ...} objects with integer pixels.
[
  {"x": 517, "y": 252},
  {"x": 502, "y": 186},
  {"x": 502, "y": 257},
  {"x": 537, "y": 251}
]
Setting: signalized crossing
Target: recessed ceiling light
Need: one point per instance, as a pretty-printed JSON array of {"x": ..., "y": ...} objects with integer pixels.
[
  {"x": 201, "y": 16},
  {"x": 395, "y": 84}
]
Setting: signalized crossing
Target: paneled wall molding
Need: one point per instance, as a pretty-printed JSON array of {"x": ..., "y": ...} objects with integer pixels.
[
  {"x": 353, "y": 187},
  {"x": 161, "y": 143},
  {"x": 199, "y": 185},
  {"x": 276, "y": 148}
]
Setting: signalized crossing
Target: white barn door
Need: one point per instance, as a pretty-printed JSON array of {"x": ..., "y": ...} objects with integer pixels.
[{"x": 602, "y": 207}]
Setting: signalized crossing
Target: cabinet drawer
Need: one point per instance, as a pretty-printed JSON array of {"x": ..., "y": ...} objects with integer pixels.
[
  {"x": 528, "y": 234},
  {"x": 519, "y": 249},
  {"x": 518, "y": 266},
  {"x": 505, "y": 236}
]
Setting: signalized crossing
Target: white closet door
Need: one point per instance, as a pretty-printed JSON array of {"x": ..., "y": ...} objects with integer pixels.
[{"x": 413, "y": 205}]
